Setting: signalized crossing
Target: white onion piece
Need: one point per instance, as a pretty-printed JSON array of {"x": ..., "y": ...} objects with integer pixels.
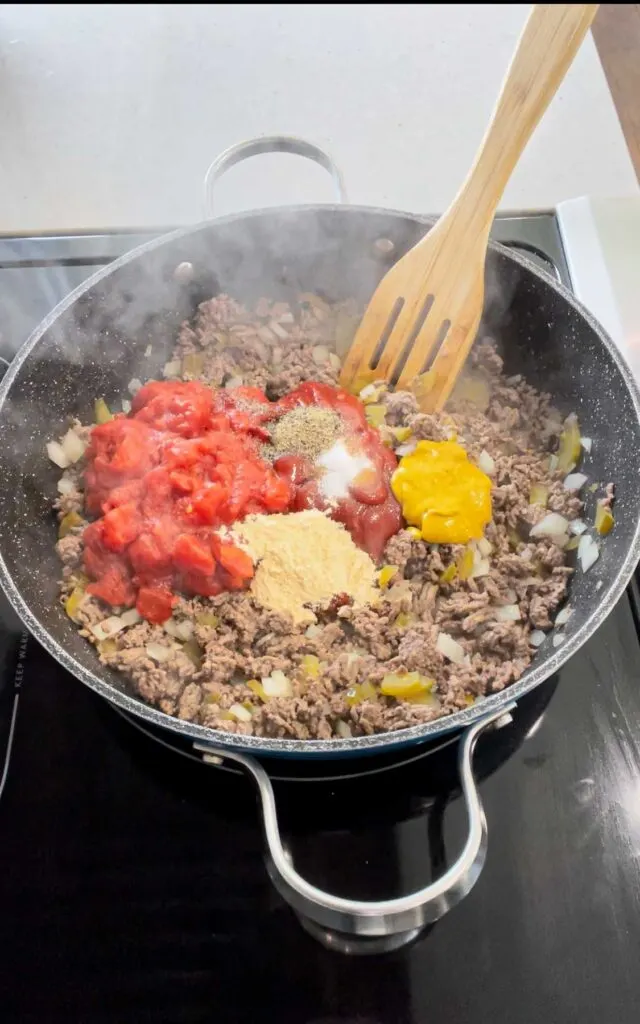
[
  {"x": 510, "y": 597},
  {"x": 172, "y": 368},
  {"x": 134, "y": 385},
  {"x": 481, "y": 566},
  {"x": 553, "y": 463},
  {"x": 170, "y": 627},
  {"x": 65, "y": 486},
  {"x": 536, "y": 638},
  {"x": 184, "y": 629},
  {"x": 130, "y": 617},
  {"x": 575, "y": 481},
  {"x": 558, "y": 638},
  {"x": 126, "y": 405},
  {"x": 576, "y": 527},
  {"x": 276, "y": 685},
  {"x": 486, "y": 463},
  {"x": 234, "y": 382},
  {"x": 108, "y": 627},
  {"x": 407, "y": 448},
  {"x": 343, "y": 730},
  {"x": 57, "y": 454},
  {"x": 450, "y": 648},
  {"x": 312, "y": 631},
  {"x": 588, "y": 552},
  {"x": 586, "y": 443},
  {"x": 158, "y": 652},
  {"x": 368, "y": 391},
  {"x": 73, "y": 446},
  {"x": 563, "y": 616},
  {"x": 320, "y": 354},
  {"x": 552, "y": 525},
  {"x": 484, "y": 546},
  {"x": 508, "y": 613},
  {"x": 242, "y": 714}
]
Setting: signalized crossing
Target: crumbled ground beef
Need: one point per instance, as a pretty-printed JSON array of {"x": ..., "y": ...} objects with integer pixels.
[{"x": 513, "y": 426}]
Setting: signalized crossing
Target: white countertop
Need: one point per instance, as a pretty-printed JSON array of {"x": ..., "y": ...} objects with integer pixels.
[{"x": 110, "y": 115}]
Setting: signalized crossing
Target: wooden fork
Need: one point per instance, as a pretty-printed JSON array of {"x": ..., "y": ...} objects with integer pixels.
[{"x": 424, "y": 314}]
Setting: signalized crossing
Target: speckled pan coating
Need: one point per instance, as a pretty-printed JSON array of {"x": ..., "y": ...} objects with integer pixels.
[{"x": 92, "y": 344}]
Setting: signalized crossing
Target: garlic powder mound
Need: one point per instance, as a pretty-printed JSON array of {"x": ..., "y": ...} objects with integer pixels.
[{"x": 305, "y": 558}]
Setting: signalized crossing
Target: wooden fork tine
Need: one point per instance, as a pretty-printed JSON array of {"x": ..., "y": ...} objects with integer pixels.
[{"x": 435, "y": 387}]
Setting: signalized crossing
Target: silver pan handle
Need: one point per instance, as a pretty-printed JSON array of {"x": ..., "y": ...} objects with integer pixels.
[
  {"x": 269, "y": 144},
  {"x": 385, "y": 917}
]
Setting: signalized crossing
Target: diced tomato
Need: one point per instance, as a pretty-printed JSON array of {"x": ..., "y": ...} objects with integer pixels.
[
  {"x": 276, "y": 493},
  {"x": 183, "y": 483},
  {"x": 120, "y": 527},
  {"x": 130, "y": 492},
  {"x": 207, "y": 503},
  {"x": 155, "y": 603},
  {"x": 114, "y": 588},
  {"x": 147, "y": 556},
  {"x": 203, "y": 586},
  {"x": 190, "y": 554},
  {"x": 235, "y": 561},
  {"x": 174, "y": 406}
]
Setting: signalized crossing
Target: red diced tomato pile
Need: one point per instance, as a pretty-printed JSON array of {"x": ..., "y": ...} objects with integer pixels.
[{"x": 163, "y": 481}]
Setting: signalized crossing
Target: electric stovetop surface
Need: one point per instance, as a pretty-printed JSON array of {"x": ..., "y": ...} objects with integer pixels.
[{"x": 132, "y": 881}]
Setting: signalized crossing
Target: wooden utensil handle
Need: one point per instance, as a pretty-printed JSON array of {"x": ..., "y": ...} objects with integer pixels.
[{"x": 549, "y": 41}]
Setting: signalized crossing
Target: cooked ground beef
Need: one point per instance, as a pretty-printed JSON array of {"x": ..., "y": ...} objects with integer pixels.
[{"x": 201, "y": 679}]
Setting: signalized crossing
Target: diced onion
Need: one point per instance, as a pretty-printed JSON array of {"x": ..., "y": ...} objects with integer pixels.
[
  {"x": 553, "y": 463},
  {"x": 134, "y": 385},
  {"x": 450, "y": 648},
  {"x": 343, "y": 730},
  {"x": 407, "y": 448},
  {"x": 73, "y": 445},
  {"x": 558, "y": 638},
  {"x": 58, "y": 455},
  {"x": 586, "y": 443},
  {"x": 508, "y": 613},
  {"x": 312, "y": 631},
  {"x": 158, "y": 652},
  {"x": 126, "y": 405},
  {"x": 481, "y": 566},
  {"x": 486, "y": 463},
  {"x": 552, "y": 525},
  {"x": 536, "y": 638},
  {"x": 238, "y": 711},
  {"x": 276, "y": 685},
  {"x": 130, "y": 617},
  {"x": 108, "y": 627},
  {"x": 65, "y": 486},
  {"x": 172, "y": 369},
  {"x": 320, "y": 354},
  {"x": 484, "y": 546},
  {"x": 575, "y": 481},
  {"x": 563, "y": 616},
  {"x": 369, "y": 391},
  {"x": 588, "y": 552},
  {"x": 234, "y": 382},
  {"x": 576, "y": 527}
]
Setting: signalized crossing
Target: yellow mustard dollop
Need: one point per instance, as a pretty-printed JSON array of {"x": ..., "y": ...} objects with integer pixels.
[{"x": 443, "y": 493}]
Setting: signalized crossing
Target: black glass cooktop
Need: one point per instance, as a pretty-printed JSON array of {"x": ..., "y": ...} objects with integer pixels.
[{"x": 132, "y": 880}]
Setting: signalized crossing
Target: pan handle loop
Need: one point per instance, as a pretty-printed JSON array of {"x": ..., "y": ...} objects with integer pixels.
[
  {"x": 403, "y": 915},
  {"x": 269, "y": 144}
]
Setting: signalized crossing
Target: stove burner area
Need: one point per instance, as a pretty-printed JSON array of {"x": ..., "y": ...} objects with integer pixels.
[{"x": 133, "y": 882}]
